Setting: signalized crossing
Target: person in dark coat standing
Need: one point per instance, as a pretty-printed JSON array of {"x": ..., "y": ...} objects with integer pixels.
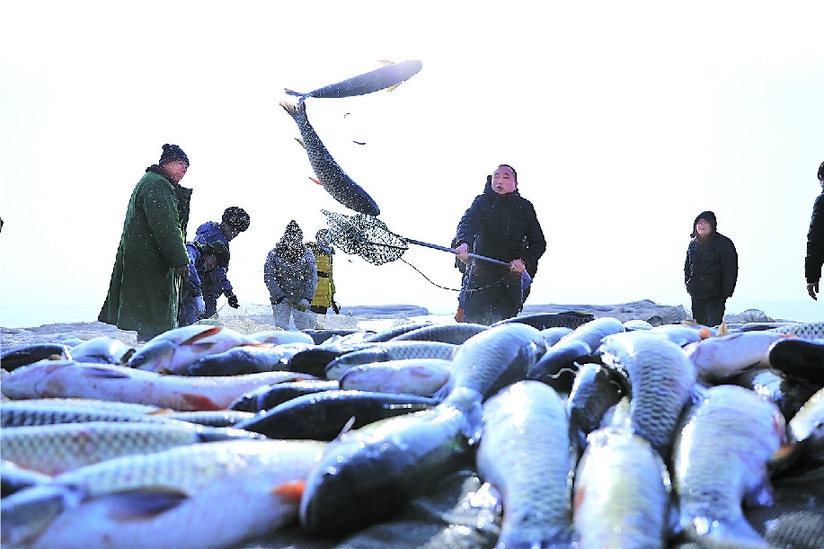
[
  {"x": 710, "y": 270},
  {"x": 235, "y": 220},
  {"x": 815, "y": 241},
  {"x": 291, "y": 275},
  {"x": 151, "y": 259},
  {"x": 495, "y": 226}
]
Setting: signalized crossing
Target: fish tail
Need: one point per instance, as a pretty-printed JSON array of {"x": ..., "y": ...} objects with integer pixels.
[
  {"x": 293, "y": 109},
  {"x": 201, "y": 403},
  {"x": 290, "y": 491},
  {"x": 300, "y": 142},
  {"x": 316, "y": 181},
  {"x": 293, "y": 92}
]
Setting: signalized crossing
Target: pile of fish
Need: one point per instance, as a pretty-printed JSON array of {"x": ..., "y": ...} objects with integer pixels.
[{"x": 549, "y": 430}]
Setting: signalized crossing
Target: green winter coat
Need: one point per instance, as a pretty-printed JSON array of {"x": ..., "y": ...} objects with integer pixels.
[{"x": 143, "y": 292}]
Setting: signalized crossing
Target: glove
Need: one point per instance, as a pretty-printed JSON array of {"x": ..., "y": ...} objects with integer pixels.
[
  {"x": 302, "y": 305},
  {"x": 812, "y": 290},
  {"x": 459, "y": 315},
  {"x": 335, "y": 307},
  {"x": 183, "y": 272},
  {"x": 200, "y": 306},
  {"x": 232, "y": 298}
]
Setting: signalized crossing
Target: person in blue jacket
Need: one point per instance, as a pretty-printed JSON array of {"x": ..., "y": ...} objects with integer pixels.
[
  {"x": 203, "y": 259},
  {"x": 235, "y": 220}
]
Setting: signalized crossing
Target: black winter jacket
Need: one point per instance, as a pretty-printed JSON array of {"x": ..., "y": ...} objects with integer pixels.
[
  {"x": 815, "y": 242},
  {"x": 495, "y": 226},
  {"x": 711, "y": 268}
]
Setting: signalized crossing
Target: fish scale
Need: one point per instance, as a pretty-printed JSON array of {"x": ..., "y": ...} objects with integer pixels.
[
  {"x": 526, "y": 437},
  {"x": 660, "y": 377},
  {"x": 336, "y": 182}
]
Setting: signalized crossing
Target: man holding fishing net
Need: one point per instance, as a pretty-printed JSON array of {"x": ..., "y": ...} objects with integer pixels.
[{"x": 495, "y": 226}]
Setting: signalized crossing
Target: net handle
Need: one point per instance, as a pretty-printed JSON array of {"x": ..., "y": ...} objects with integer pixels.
[{"x": 450, "y": 250}]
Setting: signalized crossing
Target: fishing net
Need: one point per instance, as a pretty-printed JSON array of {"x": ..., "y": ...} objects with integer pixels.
[{"x": 365, "y": 236}]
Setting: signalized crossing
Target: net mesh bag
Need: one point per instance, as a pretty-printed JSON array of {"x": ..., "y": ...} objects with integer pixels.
[{"x": 365, "y": 236}]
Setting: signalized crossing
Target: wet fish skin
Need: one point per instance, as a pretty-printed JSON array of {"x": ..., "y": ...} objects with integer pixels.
[
  {"x": 336, "y": 182},
  {"x": 279, "y": 337},
  {"x": 719, "y": 459},
  {"x": 55, "y": 449},
  {"x": 267, "y": 397},
  {"x": 595, "y": 390},
  {"x": 809, "y": 419},
  {"x": 542, "y": 321},
  {"x": 788, "y": 393},
  {"x": 661, "y": 381},
  {"x": 14, "y": 478},
  {"x": 57, "y": 378},
  {"x": 390, "y": 350},
  {"x": 395, "y": 331},
  {"x": 574, "y": 347},
  {"x": 388, "y": 76},
  {"x": 621, "y": 493},
  {"x": 103, "y": 350},
  {"x": 411, "y": 376},
  {"x": 720, "y": 357},
  {"x": 29, "y": 354},
  {"x": 48, "y": 411},
  {"x": 527, "y": 455},
  {"x": 553, "y": 335},
  {"x": 368, "y": 473},
  {"x": 798, "y": 358},
  {"x": 495, "y": 358},
  {"x": 323, "y": 416},
  {"x": 141, "y": 501},
  {"x": 246, "y": 360},
  {"x": 444, "y": 333},
  {"x": 804, "y": 330},
  {"x": 175, "y": 350}
]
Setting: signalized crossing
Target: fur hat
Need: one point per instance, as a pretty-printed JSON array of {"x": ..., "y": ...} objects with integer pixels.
[
  {"x": 707, "y": 216},
  {"x": 172, "y": 153}
]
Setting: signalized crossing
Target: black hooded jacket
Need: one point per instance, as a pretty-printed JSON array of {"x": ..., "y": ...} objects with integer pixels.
[
  {"x": 495, "y": 226},
  {"x": 815, "y": 242},
  {"x": 711, "y": 267}
]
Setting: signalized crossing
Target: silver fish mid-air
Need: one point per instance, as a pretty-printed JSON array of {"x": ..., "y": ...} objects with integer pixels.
[
  {"x": 391, "y": 75},
  {"x": 329, "y": 174}
]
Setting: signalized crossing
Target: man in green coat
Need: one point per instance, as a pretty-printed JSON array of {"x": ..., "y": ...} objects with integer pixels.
[{"x": 151, "y": 258}]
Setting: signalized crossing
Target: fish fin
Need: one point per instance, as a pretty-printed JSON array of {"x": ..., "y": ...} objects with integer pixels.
[
  {"x": 160, "y": 412},
  {"x": 346, "y": 428},
  {"x": 704, "y": 333},
  {"x": 578, "y": 497},
  {"x": 722, "y": 330},
  {"x": 384, "y": 62},
  {"x": 290, "y": 491},
  {"x": 143, "y": 503},
  {"x": 359, "y": 142},
  {"x": 104, "y": 373},
  {"x": 300, "y": 142},
  {"x": 316, "y": 181},
  {"x": 200, "y": 402},
  {"x": 288, "y": 91},
  {"x": 205, "y": 333}
]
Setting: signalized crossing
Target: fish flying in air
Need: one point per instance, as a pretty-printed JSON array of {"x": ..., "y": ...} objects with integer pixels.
[
  {"x": 329, "y": 174},
  {"x": 390, "y": 75}
]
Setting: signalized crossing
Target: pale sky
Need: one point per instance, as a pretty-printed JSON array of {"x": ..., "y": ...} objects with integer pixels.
[{"x": 623, "y": 120}]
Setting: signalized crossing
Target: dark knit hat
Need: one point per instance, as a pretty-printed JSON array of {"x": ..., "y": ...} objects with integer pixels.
[
  {"x": 219, "y": 250},
  {"x": 293, "y": 232},
  {"x": 709, "y": 217},
  {"x": 237, "y": 218},
  {"x": 322, "y": 234},
  {"x": 172, "y": 153},
  {"x": 821, "y": 172}
]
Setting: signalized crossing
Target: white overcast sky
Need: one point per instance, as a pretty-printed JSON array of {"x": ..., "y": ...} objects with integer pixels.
[{"x": 624, "y": 121}]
